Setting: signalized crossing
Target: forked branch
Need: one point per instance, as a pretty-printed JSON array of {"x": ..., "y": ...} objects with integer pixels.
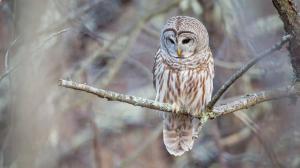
[
  {"x": 212, "y": 110},
  {"x": 245, "y": 68},
  {"x": 240, "y": 103}
]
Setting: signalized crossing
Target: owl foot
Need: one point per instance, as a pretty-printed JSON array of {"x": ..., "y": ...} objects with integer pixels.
[{"x": 176, "y": 108}]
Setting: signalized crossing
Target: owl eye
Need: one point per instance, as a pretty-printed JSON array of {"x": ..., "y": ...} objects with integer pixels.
[
  {"x": 185, "y": 41},
  {"x": 171, "y": 41}
]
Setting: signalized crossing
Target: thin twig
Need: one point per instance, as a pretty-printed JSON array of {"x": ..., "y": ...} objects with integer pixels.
[
  {"x": 116, "y": 64},
  {"x": 242, "y": 102},
  {"x": 254, "y": 128},
  {"x": 227, "y": 65},
  {"x": 245, "y": 68},
  {"x": 151, "y": 32},
  {"x": 61, "y": 9},
  {"x": 133, "y": 33},
  {"x": 70, "y": 17},
  {"x": 33, "y": 54}
]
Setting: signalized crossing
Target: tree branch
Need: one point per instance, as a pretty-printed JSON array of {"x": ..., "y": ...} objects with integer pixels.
[
  {"x": 133, "y": 34},
  {"x": 33, "y": 53},
  {"x": 240, "y": 103},
  {"x": 245, "y": 68},
  {"x": 250, "y": 100}
]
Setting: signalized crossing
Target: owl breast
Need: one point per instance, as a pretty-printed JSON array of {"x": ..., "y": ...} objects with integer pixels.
[{"x": 190, "y": 88}]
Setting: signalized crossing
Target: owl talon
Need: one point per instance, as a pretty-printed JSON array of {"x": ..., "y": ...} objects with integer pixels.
[{"x": 176, "y": 108}]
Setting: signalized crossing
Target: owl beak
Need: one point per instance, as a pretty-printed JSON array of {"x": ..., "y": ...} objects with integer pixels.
[{"x": 179, "y": 52}]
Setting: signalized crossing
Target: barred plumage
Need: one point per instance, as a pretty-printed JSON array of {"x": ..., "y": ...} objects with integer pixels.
[{"x": 183, "y": 76}]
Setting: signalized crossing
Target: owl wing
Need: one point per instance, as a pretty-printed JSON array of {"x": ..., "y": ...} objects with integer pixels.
[{"x": 157, "y": 61}]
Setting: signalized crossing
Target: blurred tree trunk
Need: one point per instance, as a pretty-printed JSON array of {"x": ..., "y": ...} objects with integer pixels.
[
  {"x": 291, "y": 20},
  {"x": 36, "y": 61}
]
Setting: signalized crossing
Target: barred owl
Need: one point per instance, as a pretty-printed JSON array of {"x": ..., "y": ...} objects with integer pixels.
[{"x": 183, "y": 75}]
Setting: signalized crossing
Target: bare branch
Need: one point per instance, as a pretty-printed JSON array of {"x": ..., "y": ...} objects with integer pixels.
[
  {"x": 240, "y": 103},
  {"x": 245, "y": 68},
  {"x": 243, "y": 102},
  {"x": 116, "y": 64},
  {"x": 60, "y": 24},
  {"x": 113, "y": 96},
  {"x": 33, "y": 54},
  {"x": 250, "y": 100}
]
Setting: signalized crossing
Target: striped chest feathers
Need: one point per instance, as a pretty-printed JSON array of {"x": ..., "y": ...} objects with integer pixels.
[{"x": 185, "y": 88}]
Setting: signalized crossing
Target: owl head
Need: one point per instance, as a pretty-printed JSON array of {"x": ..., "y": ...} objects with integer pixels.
[{"x": 183, "y": 37}]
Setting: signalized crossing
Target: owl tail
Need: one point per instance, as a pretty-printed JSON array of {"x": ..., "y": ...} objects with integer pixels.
[{"x": 178, "y": 133}]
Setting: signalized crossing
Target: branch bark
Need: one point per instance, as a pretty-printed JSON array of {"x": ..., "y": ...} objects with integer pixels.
[
  {"x": 245, "y": 68},
  {"x": 240, "y": 103}
]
